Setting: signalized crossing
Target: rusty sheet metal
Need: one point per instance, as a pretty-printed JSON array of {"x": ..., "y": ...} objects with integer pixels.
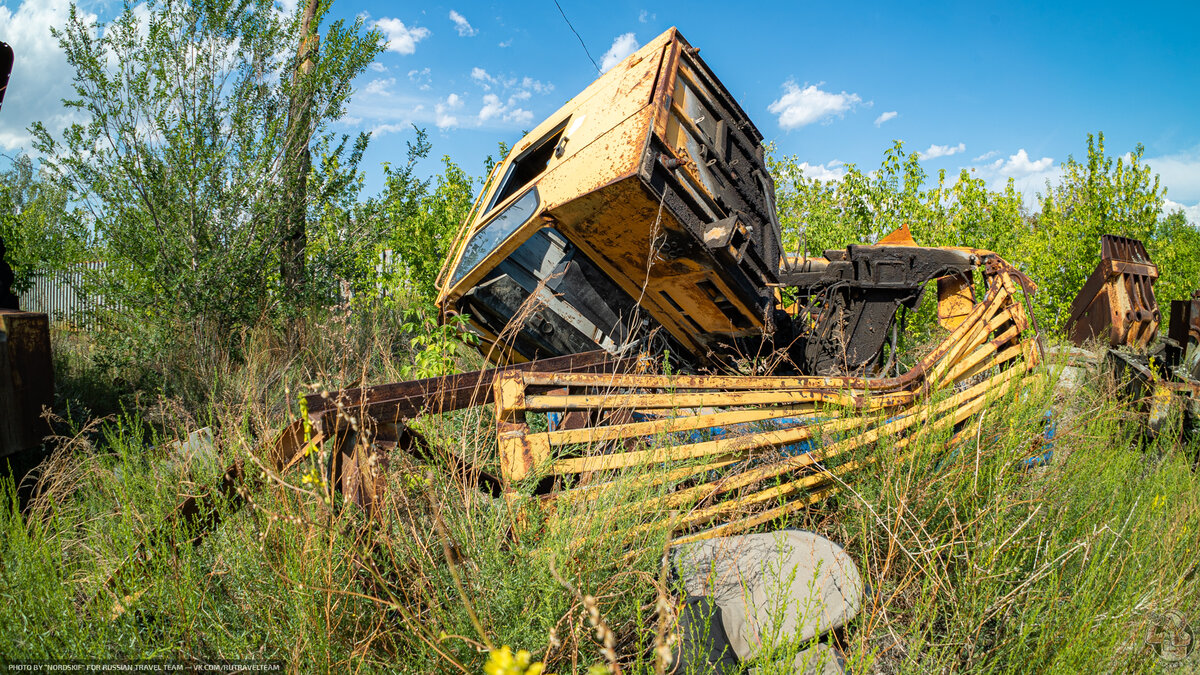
[
  {"x": 1183, "y": 352},
  {"x": 26, "y": 379},
  {"x": 652, "y": 182},
  {"x": 1151, "y": 394},
  {"x": 1116, "y": 303}
]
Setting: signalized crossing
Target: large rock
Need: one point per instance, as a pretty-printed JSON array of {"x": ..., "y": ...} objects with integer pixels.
[{"x": 764, "y": 590}]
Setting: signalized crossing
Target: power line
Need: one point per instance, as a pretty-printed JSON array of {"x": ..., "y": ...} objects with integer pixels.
[{"x": 585, "y": 49}]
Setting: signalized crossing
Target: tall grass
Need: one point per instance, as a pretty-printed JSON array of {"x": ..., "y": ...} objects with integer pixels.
[{"x": 973, "y": 563}]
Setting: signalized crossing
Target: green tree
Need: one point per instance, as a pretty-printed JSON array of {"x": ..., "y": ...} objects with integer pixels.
[
  {"x": 422, "y": 239},
  {"x": 1175, "y": 248},
  {"x": 41, "y": 232},
  {"x": 180, "y": 162},
  {"x": 1096, "y": 196}
]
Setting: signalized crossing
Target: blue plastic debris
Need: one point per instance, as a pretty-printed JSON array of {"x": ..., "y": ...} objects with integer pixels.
[{"x": 1047, "y": 442}]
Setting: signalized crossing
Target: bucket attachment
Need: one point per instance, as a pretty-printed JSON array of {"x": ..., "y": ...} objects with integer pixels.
[{"x": 1117, "y": 301}]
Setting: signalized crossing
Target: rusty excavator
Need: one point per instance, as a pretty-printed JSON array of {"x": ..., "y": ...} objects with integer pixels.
[
  {"x": 641, "y": 215},
  {"x": 637, "y": 220}
]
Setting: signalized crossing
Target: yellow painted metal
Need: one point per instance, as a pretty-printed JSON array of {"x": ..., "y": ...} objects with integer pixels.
[
  {"x": 991, "y": 341},
  {"x": 677, "y": 400},
  {"x": 590, "y": 191},
  {"x": 721, "y": 446},
  {"x": 757, "y": 519},
  {"x": 600, "y": 434},
  {"x": 956, "y": 299}
]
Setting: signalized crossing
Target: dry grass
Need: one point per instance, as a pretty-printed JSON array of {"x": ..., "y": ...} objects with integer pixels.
[{"x": 973, "y": 564}]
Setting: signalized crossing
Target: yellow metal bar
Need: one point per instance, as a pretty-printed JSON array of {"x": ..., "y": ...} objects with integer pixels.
[
  {"x": 593, "y": 492},
  {"x": 675, "y": 424},
  {"x": 996, "y": 295},
  {"x": 978, "y": 336},
  {"x": 793, "y": 463},
  {"x": 736, "y": 444},
  {"x": 676, "y": 382},
  {"x": 756, "y": 519},
  {"x": 824, "y": 476},
  {"x": 989, "y": 348},
  {"x": 663, "y": 401}
]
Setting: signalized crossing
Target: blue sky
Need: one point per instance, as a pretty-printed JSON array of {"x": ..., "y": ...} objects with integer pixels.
[{"x": 1009, "y": 89}]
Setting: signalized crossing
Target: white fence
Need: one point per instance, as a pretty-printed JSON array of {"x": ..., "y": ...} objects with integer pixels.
[{"x": 61, "y": 295}]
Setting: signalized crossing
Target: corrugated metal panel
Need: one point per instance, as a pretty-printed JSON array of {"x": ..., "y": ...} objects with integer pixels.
[{"x": 61, "y": 295}]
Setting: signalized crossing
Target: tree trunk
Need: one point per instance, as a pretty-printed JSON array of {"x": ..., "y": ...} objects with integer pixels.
[{"x": 297, "y": 161}]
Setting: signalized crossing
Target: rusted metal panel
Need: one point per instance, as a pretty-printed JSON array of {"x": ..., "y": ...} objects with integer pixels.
[
  {"x": 1116, "y": 303},
  {"x": 1183, "y": 348},
  {"x": 402, "y": 401},
  {"x": 26, "y": 379}
]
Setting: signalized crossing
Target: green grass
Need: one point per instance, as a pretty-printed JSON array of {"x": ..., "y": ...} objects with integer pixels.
[{"x": 973, "y": 564}]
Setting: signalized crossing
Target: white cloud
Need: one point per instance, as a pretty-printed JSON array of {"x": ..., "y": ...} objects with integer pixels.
[
  {"x": 1192, "y": 213},
  {"x": 288, "y": 6},
  {"x": 377, "y": 67},
  {"x": 936, "y": 151},
  {"x": 379, "y": 87},
  {"x": 400, "y": 38},
  {"x": 1180, "y": 173},
  {"x": 443, "y": 118},
  {"x": 536, "y": 85},
  {"x": 1019, "y": 165},
  {"x": 381, "y": 129},
  {"x": 518, "y": 116},
  {"x": 646, "y": 17},
  {"x": 41, "y": 77},
  {"x": 482, "y": 78},
  {"x": 799, "y": 107},
  {"x": 886, "y": 117},
  {"x": 422, "y": 78},
  {"x": 506, "y": 43},
  {"x": 494, "y": 109},
  {"x": 622, "y": 46},
  {"x": 986, "y": 156},
  {"x": 1029, "y": 177},
  {"x": 834, "y": 170},
  {"x": 461, "y": 25},
  {"x": 515, "y": 88},
  {"x": 491, "y": 107}
]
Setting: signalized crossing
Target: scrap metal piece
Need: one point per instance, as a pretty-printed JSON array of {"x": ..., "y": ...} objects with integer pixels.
[
  {"x": 26, "y": 380},
  {"x": 1117, "y": 301},
  {"x": 1183, "y": 350},
  {"x": 1154, "y": 396},
  {"x": 850, "y": 299}
]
